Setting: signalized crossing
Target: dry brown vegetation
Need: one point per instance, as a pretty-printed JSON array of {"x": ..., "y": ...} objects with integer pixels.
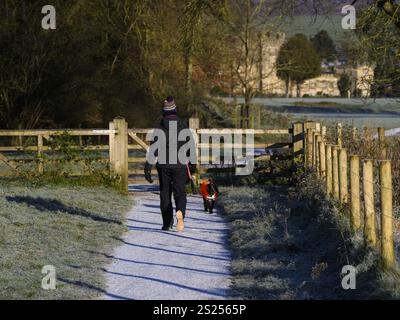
[{"x": 366, "y": 145}]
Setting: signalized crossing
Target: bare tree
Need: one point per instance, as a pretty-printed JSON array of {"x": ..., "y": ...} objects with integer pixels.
[{"x": 247, "y": 22}]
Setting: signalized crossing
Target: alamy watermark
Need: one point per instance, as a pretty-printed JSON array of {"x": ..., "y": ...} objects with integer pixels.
[
  {"x": 49, "y": 20},
  {"x": 227, "y": 144},
  {"x": 49, "y": 280},
  {"x": 349, "y": 20},
  {"x": 348, "y": 275}
]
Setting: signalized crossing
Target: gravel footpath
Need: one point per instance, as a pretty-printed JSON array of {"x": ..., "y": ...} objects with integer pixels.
[{"x": 153, "y": 264}]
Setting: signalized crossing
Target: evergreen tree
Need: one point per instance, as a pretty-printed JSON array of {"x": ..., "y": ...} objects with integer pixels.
[
  {"x": 324, "y": 46},
  {"x": 297, "y": 62}
]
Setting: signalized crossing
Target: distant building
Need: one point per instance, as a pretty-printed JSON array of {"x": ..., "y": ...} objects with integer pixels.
[{"x": 266, "y": 81}]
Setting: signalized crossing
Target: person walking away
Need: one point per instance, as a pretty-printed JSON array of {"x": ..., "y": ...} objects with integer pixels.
[{"x": 172, "y": 171}]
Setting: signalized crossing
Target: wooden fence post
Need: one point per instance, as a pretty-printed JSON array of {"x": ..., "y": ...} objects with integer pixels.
[
  {"x": 298, "y": 139},
  {"x": 317, "y": 140},
  {"x": 309, "y": 125},
  {"x": 339, "y": 135},
  {"x": 119, "y": 151},
  {"x": 322, "y": 160},
  {"x": 40, "y": 153},
  {"x": 194, "y": 124},
  {"x": 355, "y": 192},
  {"x": 387, "y": 245},
  {"x": 382, "y": 146},
  {"x": 323, "y": 133},
  {"x": 309, "y": 149},
  {"x": 318, "y": 127},
  {"x": 111, "y": 144},
  {"x": 314, "y": 138},
  {"x": 335, "y": 172},
  {"x": 328, "y": 151},
  {"x": 308, "y": 140},
  {"x": 369, "y": 204},
  {"x": 343, "y": 184}
]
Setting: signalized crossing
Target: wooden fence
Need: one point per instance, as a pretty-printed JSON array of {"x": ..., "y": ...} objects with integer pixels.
[
  {"x": 349, "y": 180},
  {"x": 340, "y": 173},
  {"x": 125, "y": 149},
  {"x": 16, "y": 153}
]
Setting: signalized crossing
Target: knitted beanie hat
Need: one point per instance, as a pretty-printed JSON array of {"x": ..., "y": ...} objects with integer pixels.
[{"x": 169, "y": 105}]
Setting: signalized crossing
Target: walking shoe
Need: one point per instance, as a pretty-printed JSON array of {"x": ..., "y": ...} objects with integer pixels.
[
  {"x": 179, "y": 217},
  {"x": 169, "y": 226}
]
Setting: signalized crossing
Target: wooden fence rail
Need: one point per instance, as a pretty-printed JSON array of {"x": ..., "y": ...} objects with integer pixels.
[
  {"x": 127, "y": 147},
  {"x": 202, "y": 143},
  {"x": 341, "y": 176}
]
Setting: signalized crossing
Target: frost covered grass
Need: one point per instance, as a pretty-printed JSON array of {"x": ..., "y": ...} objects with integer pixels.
[
  {"x": 377, "y": 282},
  {"x": 69, "y": 227},
  {"x": 289, "y": 242}
]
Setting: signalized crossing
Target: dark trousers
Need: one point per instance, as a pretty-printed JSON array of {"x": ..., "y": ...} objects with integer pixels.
[{"x": 172, "y": 181}]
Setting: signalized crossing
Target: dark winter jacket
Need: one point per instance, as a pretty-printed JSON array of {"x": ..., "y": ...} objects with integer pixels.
[{"x": 164, "y": 126}]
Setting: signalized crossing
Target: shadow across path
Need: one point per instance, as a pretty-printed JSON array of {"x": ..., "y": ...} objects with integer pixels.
[
  {"x": 173, "y": 234},
  {"x": 216, "y": 293},
  {"x": 176, "y": 252},
  {"x": 164, "y": 265},
  {"x": 55, "y": 206}
]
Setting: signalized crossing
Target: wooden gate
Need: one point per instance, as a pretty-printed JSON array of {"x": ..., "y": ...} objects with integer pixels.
[{"x": 124, "y": 149}]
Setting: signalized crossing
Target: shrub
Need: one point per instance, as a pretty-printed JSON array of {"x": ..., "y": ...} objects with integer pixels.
[{"x": 68, "y": 162}]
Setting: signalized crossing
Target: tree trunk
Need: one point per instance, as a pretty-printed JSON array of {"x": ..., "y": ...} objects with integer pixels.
[
  {"x": 188, "y": 76},
  {"x": 188, "y": 70},
  {"x": 298, "y": 89},
  {"x": 260, "y": 64},
  {"x": 247, "y": 96},
  {"x": 287, "y": 87}
]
